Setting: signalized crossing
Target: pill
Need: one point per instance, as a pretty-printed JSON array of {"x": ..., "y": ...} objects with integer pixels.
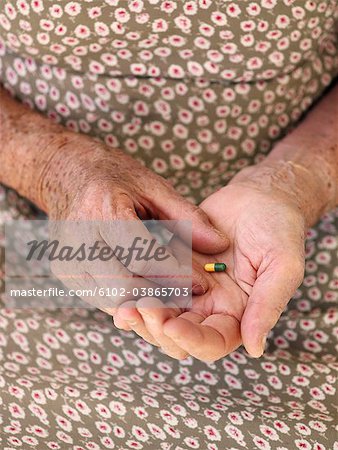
[{"x": 215, "y": 267}]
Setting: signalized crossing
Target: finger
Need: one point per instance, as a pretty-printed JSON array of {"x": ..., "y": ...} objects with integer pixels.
[
  {"x": 271, "y": 292},
  {"x": 117, "y": 321},
  {"x": 206, "y": 238},
  {"x": 200, "y": 279},
  {"x": 210, "y": 340},
  {"x": 128, "y": 313},
  {"x": 155, "y": 314},
  {"x": 192, "y": 317},
  {"x": 116, "y": 285},
  {"x": 138, "y": 250},
  {"x": 85, "y": 287}
]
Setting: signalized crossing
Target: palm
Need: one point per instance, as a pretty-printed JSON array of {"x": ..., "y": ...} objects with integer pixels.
[
  {"x": 213, "y": 320},
  {"x": 264, "y": 265},
  {"x": 221, "y": 306},
  {"x": 266, "y": 236},
  {"x": 261, "y": 228}
]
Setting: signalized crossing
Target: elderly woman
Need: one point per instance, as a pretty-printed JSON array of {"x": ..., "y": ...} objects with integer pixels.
[{"x": 144, "y": 109}]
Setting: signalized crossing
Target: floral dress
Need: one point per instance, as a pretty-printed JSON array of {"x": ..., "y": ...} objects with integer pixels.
[{"x": 195, "y": 90}]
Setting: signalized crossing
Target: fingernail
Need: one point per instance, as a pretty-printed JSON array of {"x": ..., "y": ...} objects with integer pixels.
[{"x": 198, "y": 290}]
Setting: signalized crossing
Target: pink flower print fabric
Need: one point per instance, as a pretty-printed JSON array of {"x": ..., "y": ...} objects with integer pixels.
[{"x": 195, "y": 90}]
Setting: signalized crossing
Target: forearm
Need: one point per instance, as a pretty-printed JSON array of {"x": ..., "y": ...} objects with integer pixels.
[
  {"x": 305, "y": 163},
  {"x": 29, "y": 143},
  {"x": 314, "y": 146}
]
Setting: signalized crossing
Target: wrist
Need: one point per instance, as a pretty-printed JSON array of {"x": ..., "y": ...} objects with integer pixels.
[
  {"x": 319, "y": 157},
  {"x": 34, "y": 152},
  {"x": 290, "y": 181},
  {"x": 65, "y": 171}
]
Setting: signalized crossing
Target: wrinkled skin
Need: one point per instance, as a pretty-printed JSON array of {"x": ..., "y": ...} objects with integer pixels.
[
  {"x": 265, "y": 266},
  {"x": 105, "y": 188},
  {"x": 72, "y": 176}
]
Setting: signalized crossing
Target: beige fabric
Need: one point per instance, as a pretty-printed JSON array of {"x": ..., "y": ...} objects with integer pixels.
[{"x": 195, "y": 90}]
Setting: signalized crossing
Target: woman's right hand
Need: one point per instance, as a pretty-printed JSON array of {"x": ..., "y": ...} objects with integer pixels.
[
  {"x": 73, "y": 176},
  {"x": 86, "y": 181}
]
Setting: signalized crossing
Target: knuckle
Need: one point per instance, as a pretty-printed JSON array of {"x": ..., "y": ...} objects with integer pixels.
[{"x": 124, "y": 207}]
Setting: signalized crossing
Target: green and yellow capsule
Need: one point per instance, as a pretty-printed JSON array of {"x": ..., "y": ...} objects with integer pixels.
[{"x": 215, "y": 267}]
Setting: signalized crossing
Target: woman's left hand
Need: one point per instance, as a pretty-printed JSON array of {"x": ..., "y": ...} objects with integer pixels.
[{"x": 265, "y": 259}]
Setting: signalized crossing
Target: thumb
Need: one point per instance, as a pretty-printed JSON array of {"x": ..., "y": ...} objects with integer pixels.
[
  {"x": 270, "y": 294},
  {"x": 206, "y": 238}
]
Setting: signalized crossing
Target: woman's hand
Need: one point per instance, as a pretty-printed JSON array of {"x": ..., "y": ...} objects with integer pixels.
[
  {"x": 208, "y": 329},
  {"x": 87, "y": 183},
  {"x": 265, "y": 260},
  {"x": 74, "y": 177},
  {"x": 264, "y": 211}
]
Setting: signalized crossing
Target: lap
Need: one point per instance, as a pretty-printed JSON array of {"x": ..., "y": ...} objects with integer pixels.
[{"x": 70, "y": 380}]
